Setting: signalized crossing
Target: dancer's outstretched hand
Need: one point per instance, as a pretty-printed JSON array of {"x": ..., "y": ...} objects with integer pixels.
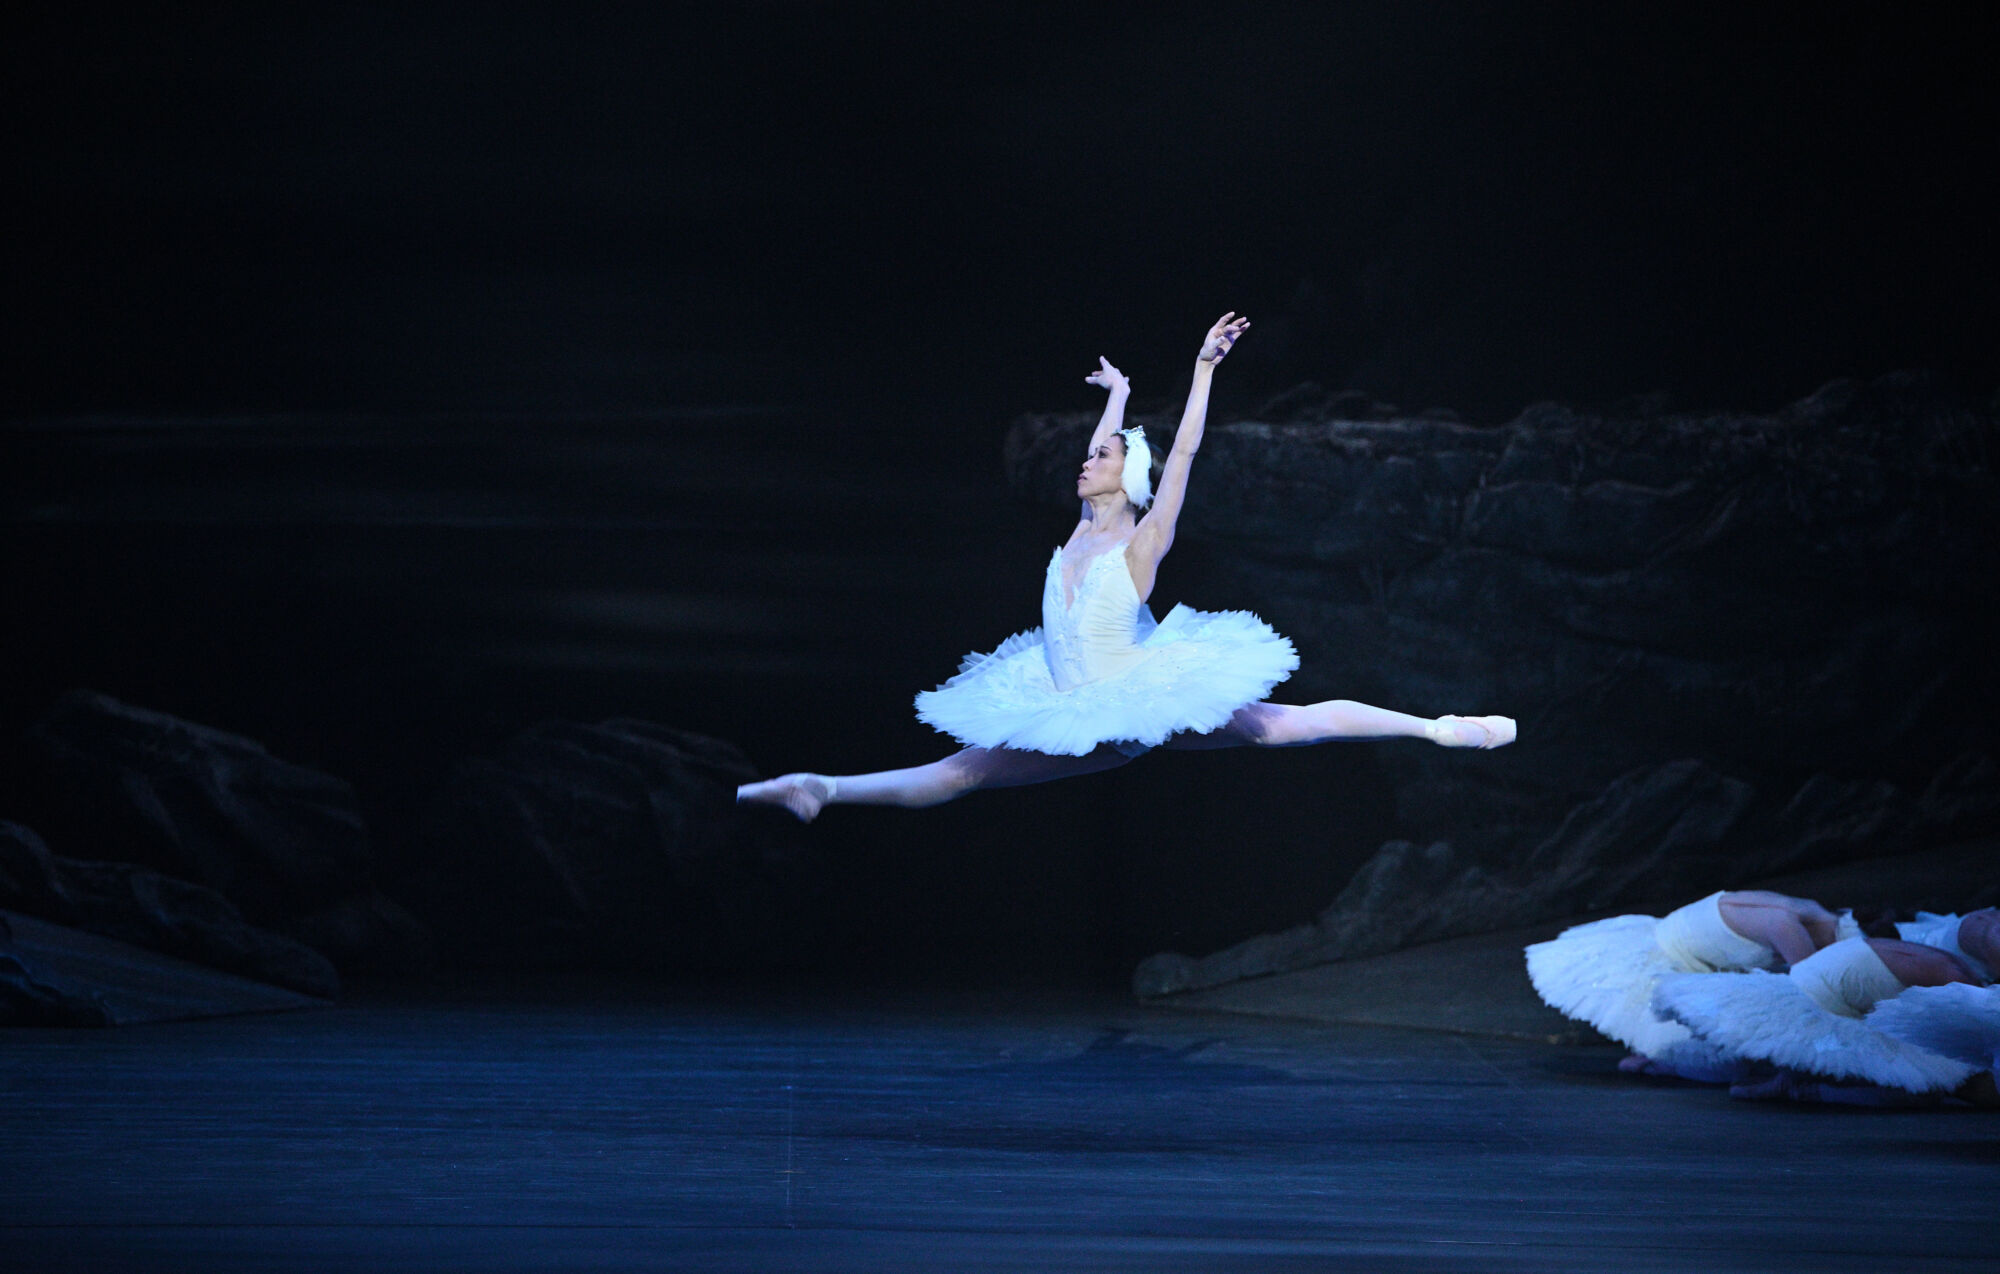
[
  {"x": 1108, "y": 376},
  {"x": 1223, "y": 335}
]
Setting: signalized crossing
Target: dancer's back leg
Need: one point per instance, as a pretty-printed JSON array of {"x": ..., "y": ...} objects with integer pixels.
[
  {"x": 921, "y": 786},
  {"x": 1284, "y": 725}
]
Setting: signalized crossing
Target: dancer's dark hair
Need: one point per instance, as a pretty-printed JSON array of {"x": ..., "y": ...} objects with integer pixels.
[{"x": 1876, "y": 921}]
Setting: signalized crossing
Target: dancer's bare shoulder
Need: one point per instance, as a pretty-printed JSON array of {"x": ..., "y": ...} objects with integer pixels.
[
  {"x": 1793, "y": 927},
  {"x": 1915, "y": 964},
  {"x": 1748, "y": 900}
]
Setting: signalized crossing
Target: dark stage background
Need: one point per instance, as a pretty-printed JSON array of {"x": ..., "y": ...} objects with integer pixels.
[{"x": 381, "y": 382}]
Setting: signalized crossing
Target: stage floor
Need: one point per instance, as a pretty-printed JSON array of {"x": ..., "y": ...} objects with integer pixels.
[{"x": 565, "y": 1128}]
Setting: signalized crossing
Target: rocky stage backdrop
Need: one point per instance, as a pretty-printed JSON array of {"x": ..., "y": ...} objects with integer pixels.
[{"x": 1736, "y": 644}]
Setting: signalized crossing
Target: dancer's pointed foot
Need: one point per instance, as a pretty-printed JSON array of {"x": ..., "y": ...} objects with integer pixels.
[
  {"x": 803, "y": 794},
  {"x": 1470, "y": 732}
]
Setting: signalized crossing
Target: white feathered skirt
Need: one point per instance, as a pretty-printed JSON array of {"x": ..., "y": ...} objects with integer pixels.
[
  {"x": 1959, "y": 1021},
  {"x": 1767, "y": 1017},
  {"x": 1604, "y": 973},
  {"x": 1198, "y": 668}
]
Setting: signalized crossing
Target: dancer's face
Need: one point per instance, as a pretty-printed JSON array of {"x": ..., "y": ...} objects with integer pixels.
[{"x": 1103, "y": 469}]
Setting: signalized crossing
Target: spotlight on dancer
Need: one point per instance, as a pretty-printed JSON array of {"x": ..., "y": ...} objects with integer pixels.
[{"x": 1102, "y": 682}]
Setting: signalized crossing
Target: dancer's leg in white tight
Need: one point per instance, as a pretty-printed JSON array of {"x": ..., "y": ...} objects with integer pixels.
[
  {"x": 1270, "y": 725},
  {"x": 1283, "y": 725},
  {"x": 924, "y": 785}
]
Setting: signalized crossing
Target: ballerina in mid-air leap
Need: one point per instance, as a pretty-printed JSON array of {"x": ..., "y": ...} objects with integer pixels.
[{"x": 1100, "y": 682}]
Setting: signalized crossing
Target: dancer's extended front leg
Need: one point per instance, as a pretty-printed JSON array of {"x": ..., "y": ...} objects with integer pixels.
[
  {"x": 921, "y": 786},
  {"x": 1283, "y": 725}
]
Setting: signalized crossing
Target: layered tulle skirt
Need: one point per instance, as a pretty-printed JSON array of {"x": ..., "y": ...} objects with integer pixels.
[
  {"x": 1604, "y": 973},
  {"x": 1767, "y": 1017},
  {"x": 1196, "y": 669},
  {"x": 1958, "y": 1021}
]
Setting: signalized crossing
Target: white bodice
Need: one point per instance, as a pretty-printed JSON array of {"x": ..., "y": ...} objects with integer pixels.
[
  {"x": 1097, "y": 633},
  {"x": 1847, "y": 978}
]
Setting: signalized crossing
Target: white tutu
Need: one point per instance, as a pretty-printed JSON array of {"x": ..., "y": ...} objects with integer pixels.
[
  {"x": 1940, "y": 931},
  {"x": 1768, "y": 1017},
  {"x": 1604, "y": 973},
  {"x": 1958, "y": 1021},
  {"x": 1099, "y": 670},
  {"x": 1931, "y": 929}
]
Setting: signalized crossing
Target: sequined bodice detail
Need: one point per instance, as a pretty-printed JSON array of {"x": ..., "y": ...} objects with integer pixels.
[{"x": 1098, "y": 633}]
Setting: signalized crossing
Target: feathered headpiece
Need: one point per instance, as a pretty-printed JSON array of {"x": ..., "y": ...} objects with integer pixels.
[{"x": 1138, "y": 481}]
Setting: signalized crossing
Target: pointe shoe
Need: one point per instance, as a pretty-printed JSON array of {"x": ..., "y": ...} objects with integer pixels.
[
  {"x": 1498, "y": 731},
  {"x": 805, "y": 795}
]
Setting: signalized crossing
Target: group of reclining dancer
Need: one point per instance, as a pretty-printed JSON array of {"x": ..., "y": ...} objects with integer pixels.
[{"x": 1786, "y": 1000}]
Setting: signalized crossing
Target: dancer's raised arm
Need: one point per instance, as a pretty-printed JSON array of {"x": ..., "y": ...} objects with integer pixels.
[
  {"x": 1092, "y": 687},
  {"x": 1119, "y": 391},
  {"x": 1155, "y": 534}
]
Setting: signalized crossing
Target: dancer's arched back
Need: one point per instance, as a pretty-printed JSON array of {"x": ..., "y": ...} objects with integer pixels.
[{"x": 1101, "y": 682}]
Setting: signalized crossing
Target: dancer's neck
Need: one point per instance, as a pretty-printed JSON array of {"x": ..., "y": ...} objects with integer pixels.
[{"x": 1109, "y": 514}]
